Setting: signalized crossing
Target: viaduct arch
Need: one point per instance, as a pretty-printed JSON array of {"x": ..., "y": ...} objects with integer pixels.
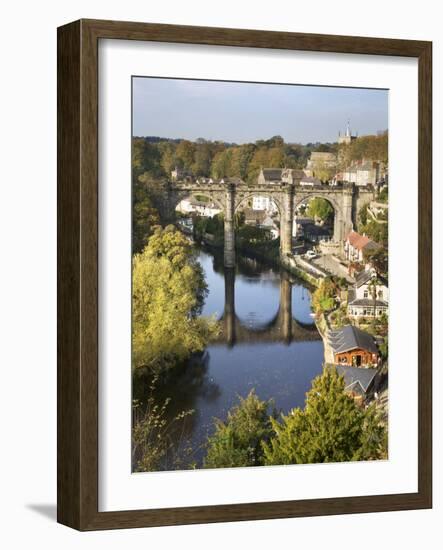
[{"x": 346, "y": 201}]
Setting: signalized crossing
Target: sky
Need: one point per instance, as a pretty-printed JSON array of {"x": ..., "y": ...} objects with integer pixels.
[{"x": 238, "y": 112}]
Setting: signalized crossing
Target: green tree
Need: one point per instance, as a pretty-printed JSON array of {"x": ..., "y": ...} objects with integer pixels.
[
  {"x": 144, "y": 218},
  {"x": 331, "y": 428},
  {"x": 239, "y": 440},
  {"x": 168, "y": 291},
  {"x": 363, "y": 215},
  {"x": 320, "y": 209},
  {"x": 376, "y": 231},
  {"x": 146, "y": 157},
  {"x": 324, "y": 171},
  {"x": 253, "y": 234}
]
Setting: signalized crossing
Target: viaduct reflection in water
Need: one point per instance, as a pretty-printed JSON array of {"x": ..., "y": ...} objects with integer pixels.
[
  {"x": 281, "y": 328},
  {"x": 263, "y": 346}
]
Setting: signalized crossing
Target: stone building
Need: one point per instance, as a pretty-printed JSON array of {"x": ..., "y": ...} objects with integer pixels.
[
  {"x": 319, "y": 160},
  {"x": 279, "y": 175},
  {"x": 362, "y": 173}
]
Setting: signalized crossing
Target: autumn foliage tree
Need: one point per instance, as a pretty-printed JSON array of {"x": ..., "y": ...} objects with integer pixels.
[{"x": 168, "y": 289}]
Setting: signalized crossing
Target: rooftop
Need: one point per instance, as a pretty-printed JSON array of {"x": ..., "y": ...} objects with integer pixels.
[
  {"x": 349, "y": 338},
  {"x": 320, "y": 155},
  {"x": 367, "y": 302},
  {"x": 272, "y": 173},
  {"x": 366, "y": 275},
  {"x": 360, "y": 241},
  {"x": 355, "y": 376}
]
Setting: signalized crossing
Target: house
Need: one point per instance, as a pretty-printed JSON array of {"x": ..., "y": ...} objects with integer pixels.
[
  {"x": 310, "y": 181},
  {"x": 205, "y": 209},
  {"x": 270, "y": 176},
  {"x": 304, "y": 227},
  {"x": 233, "y": 180},
  {"x": 362, "y": 173},
  {"x": 269, "y": 223},
  {"x": 254, "y": 217},
  {"x": 361, "y": 300},
  {"x": 358, "y": 382},
  {"x": 259, "y": 202},
  {"x": 353, "y": 347},
  {"x": 356, "y": 245},
  {"x": 299, "y": 224}
]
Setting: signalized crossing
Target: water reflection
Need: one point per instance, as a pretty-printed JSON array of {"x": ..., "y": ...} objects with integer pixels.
[
  {"x": 268, "y": 343},
  {"x": 280, "y": 327}
]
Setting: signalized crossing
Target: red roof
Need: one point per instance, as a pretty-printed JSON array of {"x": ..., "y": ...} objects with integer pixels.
[{"x": 358, "y": 241}]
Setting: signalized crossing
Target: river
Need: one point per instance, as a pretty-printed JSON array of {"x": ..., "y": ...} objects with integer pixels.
[{"x": 269, "y": 343}]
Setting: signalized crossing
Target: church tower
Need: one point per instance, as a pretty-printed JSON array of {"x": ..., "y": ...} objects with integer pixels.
[{"x": 348, "y": 137}]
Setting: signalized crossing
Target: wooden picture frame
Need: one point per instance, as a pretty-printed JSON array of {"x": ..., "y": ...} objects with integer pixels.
[{"x": 78, "y": 273}]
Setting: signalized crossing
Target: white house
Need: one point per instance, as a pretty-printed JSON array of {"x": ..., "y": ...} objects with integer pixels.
[
  {"x": 356, "y": 245},
  {"x": 310, "y": 181},
  {"x": 205, "y": 209},
  {"x": 362, "y": 173},
  {"x": 369, "y": 296},
  {"x": 259, "y": 202}
]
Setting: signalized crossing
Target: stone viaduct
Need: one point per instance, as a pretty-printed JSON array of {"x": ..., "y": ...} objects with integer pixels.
[{"x": 230, "y": 196}]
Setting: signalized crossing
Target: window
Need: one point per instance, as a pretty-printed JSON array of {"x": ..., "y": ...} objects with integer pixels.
[{"x": 365, "y": 294}]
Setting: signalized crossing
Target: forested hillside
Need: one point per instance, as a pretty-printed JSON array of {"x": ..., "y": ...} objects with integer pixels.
[{"x": 156, "y": 157}]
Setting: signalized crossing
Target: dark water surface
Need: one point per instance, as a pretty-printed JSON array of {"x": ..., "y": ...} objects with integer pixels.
[{"x": 269, "y": 343}]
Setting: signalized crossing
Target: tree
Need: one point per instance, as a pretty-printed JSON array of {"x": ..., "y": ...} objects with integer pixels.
[
  {"x": 321, "y": 209},
  {"x": 324, "y": 171},
  {"x": 202, "y": 162},
  {"x": 168, "y": 157},
  {"x": 153, "y": 433},
  {"x": 144, "y": 218},
  {"x": 168, "y": 291},
  {"x": 376, "y": 231},
  {"x": 378, "y": 258},
  {"x": 331, "y": 428},
  {"x": 323, "y": 298},
  {"x": 363, "y": 215},
  {"x": 146, "y": 157},
  {"x": 373, "y": 287},
  {"x": 185, "y": 153},
  {"x": 239, "y": 440},
  {"x": 253, "y": 234},
  {"x": 221, "y": 164}
]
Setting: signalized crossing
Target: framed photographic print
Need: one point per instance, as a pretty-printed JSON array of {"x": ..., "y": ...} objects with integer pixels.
[{"x": 244, "y": 274}]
